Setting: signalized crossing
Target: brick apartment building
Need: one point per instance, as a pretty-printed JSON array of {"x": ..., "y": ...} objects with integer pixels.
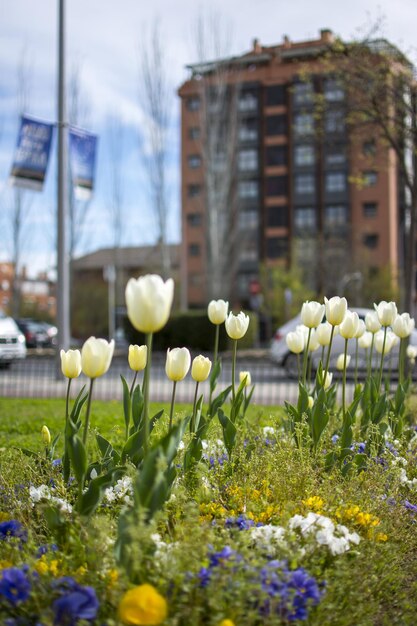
[{"x": 293, "y": 193}]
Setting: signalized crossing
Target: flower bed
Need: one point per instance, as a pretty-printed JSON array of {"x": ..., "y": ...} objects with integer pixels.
[{"x": 220, "y": 516}]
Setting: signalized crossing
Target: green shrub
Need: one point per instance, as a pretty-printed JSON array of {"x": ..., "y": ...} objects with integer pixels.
[{"x": 194, "y": 330}]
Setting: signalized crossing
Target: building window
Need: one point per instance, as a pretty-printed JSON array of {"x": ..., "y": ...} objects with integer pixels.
[
  {"x": 335, "y": 181},
  {"x": 248, "y": 130},
  {"x": 333, "y": 91},
  {"x": 369, "y": 148},
  {"x": 334, "y": 121},
  {"x": 193, "y": 191},
  {"x": 305, "y": 220},
  {"x": 194, "y": 249},
  {"x": 335, "y": 156},
  {"x": 248, "y": 220},
  {"x": 370, "y": 178},
  {"x": 275, "y": 95},
  {"x": 249, "y": 250},
  {"x": 193, "y": 103},
  {"x": 304, "y": 183},
  {"x": 194, "y": 132},
  {"x": 194, "y": 219},
  {"x": 370, "y": 209},
  {"x": 335, "y": 216},
  {"x": 277, "y": 216},
  {"x": 303, "y": 93},
  {"x": 304, "y": 155},
  {"x": 247, "y": 160},
  {"x": 276, "y": 247},
  {"x": 304, "y": 124},
  {"x": 276, "y": 125},
  {"x": 276, "y": 185},
  {"x": 248, "y": 101},
  {"x": 248, "y": 189},
  {"x": 276, "y": 155},
  {"x": 194, "y": 161},
  {"x": 371, "y": 241}
]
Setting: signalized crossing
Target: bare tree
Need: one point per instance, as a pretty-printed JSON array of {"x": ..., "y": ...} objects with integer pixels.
[
  {"x": 156, "y": 96},
  {"x": 218, "y": 85}
]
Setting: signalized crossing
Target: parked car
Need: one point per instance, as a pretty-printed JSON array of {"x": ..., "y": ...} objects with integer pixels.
[
  {"x": 12, "y": 341},
  {"x": 35, "y": 333},
  {"x": 280, "y": 354}
]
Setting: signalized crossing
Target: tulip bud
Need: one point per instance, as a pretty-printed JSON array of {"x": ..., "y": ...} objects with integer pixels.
[
  {"x": 245, "y": 376},
  {"x": 200, "y": 369},
  {"x": 149, "y": 300},
  {"x": 366, "y": 340},
  {"x": 46, "y": 435},
  {"x": 335, "y": 310},
  {"x": 96, "y": 356},
  {"x": 312, "y": 314},
  {"x": 295, "y": 341},
  {"x": 327, "y": 380},
  {"x": 372, "y": 322},
  {"x": 340, "y": 363},
  {"x": 387, "y": 312},
  {"x": 137, "y": 357},
  {"x": 217, "y": 311},
  {"x": 350, "y": 325},
  {"x": 177, "y": 364},
  {"x": 323, "y": 332},
  {"x": 361, "y": 329},
  {"x": 403, "y": 325},
  {"x": 71, "y": 363},
  {"x": 310, "y": 402},
  {"x": 237, "y": 325}
]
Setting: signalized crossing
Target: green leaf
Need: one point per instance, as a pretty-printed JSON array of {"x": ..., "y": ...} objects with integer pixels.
[
  {"x": 319, "y": 417},
  {"x": 137, "y": 406},
  {"x": 106, "y": 449},
  {"x": 89, "y": 501},
  {"x": 229, "y": 431},
  {"x": 219, "y": 400},
  {"x": 214, "y": 375},
  {"x": 78, "y": 456},
  {"x": 127, "y": 403},
  {"x": 78, "y": 405}
]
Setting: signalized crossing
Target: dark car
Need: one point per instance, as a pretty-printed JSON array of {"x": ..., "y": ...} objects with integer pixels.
[{"x": 35, "y": 333}]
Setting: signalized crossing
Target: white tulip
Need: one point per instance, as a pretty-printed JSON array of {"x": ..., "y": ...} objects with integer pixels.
[
  {"x": 137, "y": 357},
  {"x": 245, "y": 376},
  {"x": 361, "y": 329},
  {"x": 411, "y": 352},
  {"x": 237, "y": 325},
  {"x": 314, "y": 343},
  {"x": 323, "y": 332},
  {"x": 200, "y": 368},
  {"x": 379, "y": 342},
  {"x": 312, "y": 313},
  {"x": 96, "y": 356},
  {"x": 295, "y": 341},
  {"x": 149, "y": 301},
  {"x": 328, "y": 380},
  {"x": 71, "y": 363},
  {"x": 217, "y": 311},
  {"x": 350, "y": 325},
  {"x": 177, "y": 363},
  {"x": 335, "y": 310},
  {"x": 372, "y": 322},
  {"x": 365, "y": 340},
  {"x": 340, "y": 363},
  {"x": 403, "y": 325},
  {"x": 387, "y": 312}
]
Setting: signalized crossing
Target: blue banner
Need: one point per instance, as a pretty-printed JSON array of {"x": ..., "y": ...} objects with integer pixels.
[
  {"x": 32, "y": 153},
  {"x": 82, "y": 157}
]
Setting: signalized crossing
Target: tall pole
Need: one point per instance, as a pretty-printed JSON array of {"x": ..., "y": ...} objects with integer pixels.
[{"x": 62, "y": 195}]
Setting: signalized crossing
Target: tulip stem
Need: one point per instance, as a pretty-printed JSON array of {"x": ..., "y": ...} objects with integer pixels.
[
  {"x": 87, "y": 416},
  {"x": 326, "y": 369},
  {"x": 306, "y": 357},
  {"x": 145, "y": 391},
  {"x": 401, "y": 357},
  {"x": 215, "y": 355},
  {"x": 194, "y": 408},
  {"x": 234, "y": 369},
  {"x": 66, "y": 464},
  {"x": 171, "y": 413},
  {"x": 298, "y": 366},
  {"x": 371, "y": 355},
  {"x": 382, "y": 358},
  {"x": 344, "y": 381},
  {"x": 356, "y": 362},
  {"x": 133, "y": 383}
]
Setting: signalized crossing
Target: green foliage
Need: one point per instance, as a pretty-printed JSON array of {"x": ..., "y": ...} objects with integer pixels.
[{"x": 89, "y": 308}]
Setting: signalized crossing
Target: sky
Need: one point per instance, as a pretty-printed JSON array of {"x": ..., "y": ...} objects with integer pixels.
[{"x": 104, "y": 41}]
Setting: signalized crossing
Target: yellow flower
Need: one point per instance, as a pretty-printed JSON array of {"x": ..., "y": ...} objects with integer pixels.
[
  {"x": 4, "y": 517},
  {"x": 112, "y": 577},
  {"x": 143, "y": 606},
  {"x": 81, "y": 571},
  {"x": 43, "y": 567},
  {"x": 5, "y": 564},
  {"x": 226, "y": 622},
  {"x": 381, "y": 537},
  {"x": 315, "y": 503}
]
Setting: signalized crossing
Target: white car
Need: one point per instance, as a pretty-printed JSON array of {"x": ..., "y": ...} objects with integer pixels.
[
  {"x": 12, "y": 341},
  {"x": 280, "y": 354}
]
